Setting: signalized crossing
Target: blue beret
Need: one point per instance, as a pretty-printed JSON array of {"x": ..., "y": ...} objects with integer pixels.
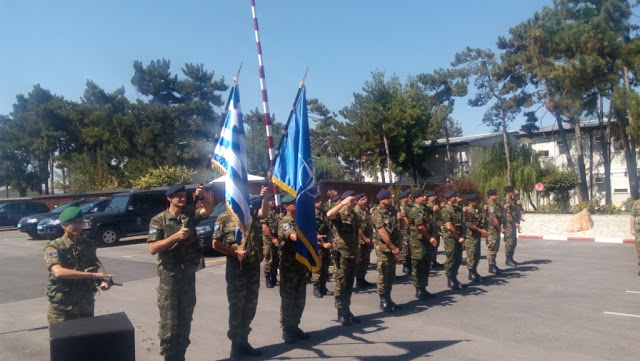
[
  {"x": 288, "y": 199},
  {"x": 508, "y": 189},
  {"x": 70, "y": 213},
  {"x": 335, "y": 199},
  {"x": 175, "y": 189},
  {"x": 348, "y": 193},
  {"x": 417, "y": 193},
  {"x": 384, "y": 193},
  {"x": 431, "y": 194},
  {"x": 359, "y": 196},
  {"x": 492, "y": 192},
  {"x": 458, "y": 194},
  {"x": 404, "y": 193},
  {"x": 471, "y": 196},
  {"x": 450, "y": 194}
]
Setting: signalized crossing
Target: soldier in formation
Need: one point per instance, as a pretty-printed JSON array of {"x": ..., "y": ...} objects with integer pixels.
[
  {"x": 475, "y": 224},
  {"x": 494, "y": 229},
  {"x": 436, "y": 219},
  {"x": 421, "y": 243},
  {"x": 453, "y": 238},
  {"x": 405, "y": 206},
  {"x": 365, "y": 243},
  {"x": 320, "y": 277},
  {"x": 270, "y": 243}
]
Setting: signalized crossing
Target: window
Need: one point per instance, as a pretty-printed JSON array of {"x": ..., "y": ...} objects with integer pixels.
[
  {"x": 598, "y": 180},
  {"x": 543, "y": 153},
  {"x": 620, "y": 190}
]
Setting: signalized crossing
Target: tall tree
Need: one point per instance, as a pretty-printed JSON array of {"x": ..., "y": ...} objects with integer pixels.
[{"x": 256, "y": 141}]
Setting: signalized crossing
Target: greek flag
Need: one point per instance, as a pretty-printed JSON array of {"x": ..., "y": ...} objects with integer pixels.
[
  {"x": 230, "y": 158},
  {"x": 293, "y": 172}
]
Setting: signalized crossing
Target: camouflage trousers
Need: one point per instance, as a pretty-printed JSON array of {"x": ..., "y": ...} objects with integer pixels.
[
  {"x": 343, "y": 278},
  {"x": 405, "y": 249},
  {"x": 434, "y": 249},
  {"x": 453, "y": 250},
  {"x": 322, "y": 274},
  {"x": 472, "y": 247},
  {"x": 421, "y": 264},
  {"x": 176, "y": 302},
  {"x": 510, "y": 239},
  {"x": 638, "y": 245},
  {"x": 364, "y": 258},
  {"x": 493, "y": 246},
  {"x": 271, "y": 257},
  {"x": 293, "y": 286},
  {"x": 386, "y": 264},
  {"x": 243, "y": 283},
  {"x": 58, "y": 312}
]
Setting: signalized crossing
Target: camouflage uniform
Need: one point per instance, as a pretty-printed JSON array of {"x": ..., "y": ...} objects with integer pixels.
[
  {"x": 177, "y": 268},
  {"x": 293, "y": 281},
  {"x": 364, "y": 251},
  {"x": 405, "y": 249},
  {"x": 472, "y": 238},
  {"x": 436, "y": 224},
  {"x": 345, "y": 240},
  {"x": 270, "y": 251},
  {"x": 386, "y": 260},
  {"x": 635, "y": 212},
  {"x": 321, "y": 276},
  {"x": 510, "y": 235},
  {"x": 493, "y": 239},
  {"x": 243, "y": 278},
  {"x": 70, "y": 299},
  {"x": 421, "y": 249},
  {"x": 452, "y": 248}
]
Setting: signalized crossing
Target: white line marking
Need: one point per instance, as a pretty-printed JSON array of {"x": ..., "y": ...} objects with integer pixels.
[
  {"x": 632, "y": 291},
  {"x": 621, "y": 314},
  {"x": 216, "y": 260}
]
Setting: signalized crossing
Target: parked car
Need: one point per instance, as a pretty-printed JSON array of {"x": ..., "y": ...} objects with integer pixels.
[
  {"x": 126, "y": 215},
  {"x": 29, "y": 224},
  {"x": 205, "y": 228},
  {"x": 50, "y": 227},
  {"x": 11, "y": 212}
]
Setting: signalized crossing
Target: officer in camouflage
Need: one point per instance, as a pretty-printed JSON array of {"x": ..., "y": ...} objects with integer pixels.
[
  {"x": 172, "y": 236},
  {"x": 635, "y": 226},
  {"x": 421, "y": 243},
  {"x": 510, "y": 226},
  {"x": 494, "y": 225},
  {"x": 475, "y": 220},
  {"x": 388, "y": 223},
  {"x": 346, "y": 231},
  {"x": 73, "y": 277},
  {"x": 364, "y": 248},
  {"x": 242, "y": 274},
  {"x": 320, "y": 277},
  {"x": 453, "y": 238},
  {"x": 293, "y": 283},
  {"x": 432, "y": 204},
  {"x": 405, "y": 206},
  {"x": 270, "y": 244}
]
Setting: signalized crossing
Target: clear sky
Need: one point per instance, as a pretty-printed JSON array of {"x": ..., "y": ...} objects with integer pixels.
[{"x": 62, "y": 44}]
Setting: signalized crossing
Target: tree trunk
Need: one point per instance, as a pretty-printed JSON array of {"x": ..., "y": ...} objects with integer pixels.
[
  {"x": 630, "y": 150},
  {"x": 386, "y": 149},
  {"x": 531, "y": 202},
  {"x": 605, "y": 143},
  {"x": 52, "y": 173},
  {"x": 565, "y": 143},
  {"x": 505, "y": 140},
  {"x": 381, "y": 172},
  {"x": 582, "y": 172},
  {"x": 448, "y": 164}
]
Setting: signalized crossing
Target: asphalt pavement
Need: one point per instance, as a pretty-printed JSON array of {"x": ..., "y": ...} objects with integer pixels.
[{"x": 565, "y": 301}]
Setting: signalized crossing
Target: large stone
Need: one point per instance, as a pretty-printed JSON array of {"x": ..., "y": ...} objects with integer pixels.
[{"x": 581, "y": 222}]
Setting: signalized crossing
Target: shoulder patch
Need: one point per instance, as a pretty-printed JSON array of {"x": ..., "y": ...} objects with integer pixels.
[
  {"x": 286, "y": 226},
  {"x": 153, "y": 230},
  {"x": 491, "y": 210},
  {"x": 216, "y": 227},
  {"x": 53, "y": 254}
]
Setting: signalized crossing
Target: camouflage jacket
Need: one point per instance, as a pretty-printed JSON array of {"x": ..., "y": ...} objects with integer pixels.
[
  {"x": 386, "y": 218},
  {"x": 419, "y": 216},
  {"x": 454, "y": 215},
  {"x": 365, "y": 222},
  {"x": 184, "y": 255},
  {"x": 271, "y": 220},
  {"x": 346, "y": 227},
  {"x": 510, "y": 210},
  {"x": 79, "y": 256},
  {"x": 493, "y": 211},
  {"x": 476, "y": 218},
  {"x": 225, "y": 231},
  {"x": 286, "y": 226},
  {"x": 322, "y": 225}
]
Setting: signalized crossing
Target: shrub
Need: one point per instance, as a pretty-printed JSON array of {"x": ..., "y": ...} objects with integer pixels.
[{"x": 164, "y": 176}]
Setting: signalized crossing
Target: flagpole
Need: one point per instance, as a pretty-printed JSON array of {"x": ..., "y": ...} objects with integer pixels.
[{"x": 265, "y": 99}]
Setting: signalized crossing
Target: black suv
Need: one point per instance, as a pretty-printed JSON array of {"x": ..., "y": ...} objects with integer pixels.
[
  {"x": 12, "y": 211},
  {"x": 126, "y": 215},
  {"x": 29, "y": 224}
]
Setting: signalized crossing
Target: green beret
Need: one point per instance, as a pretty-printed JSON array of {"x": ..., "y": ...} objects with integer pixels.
[
  {"x": 70, "y": 213},
  {"x": 288, "y": 199}
]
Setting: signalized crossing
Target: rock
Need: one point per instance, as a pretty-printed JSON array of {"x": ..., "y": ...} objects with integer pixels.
[{"x": 581, "y": 222}]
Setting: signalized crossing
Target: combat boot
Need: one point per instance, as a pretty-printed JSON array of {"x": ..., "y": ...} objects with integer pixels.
[
  {"x": 435, "y": 264},
  {"x": 384, "y": 305},
  {"x": 235, "y": 350},
  {"x": 422, "y": 294},
  {"x": 493, "y": 269},
  {"x": 267, "y": 281},
  {"x": 274, "y": 280},
  {"x": 289, "y": 337},
  {"x": 317, "y": 292},
  {"x": 392, "y": 304},
  {"x": 406, "y": 268},
  {"x": 247, "y": 349},
  {"x": 474, "y": 276},
  {"x": 343, "y": 317},
  {"x": 353, "y": 318},
  {"x": 362, "y": 283},
  {"x": 452, "y": 283},
  {"x": 301, "y": 335},
  {"x": 510, "y": 262},
  {"x": 325, "y": 291}
]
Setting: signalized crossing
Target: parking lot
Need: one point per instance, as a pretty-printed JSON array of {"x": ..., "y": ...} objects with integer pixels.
[{"x": 566, "y": 301}]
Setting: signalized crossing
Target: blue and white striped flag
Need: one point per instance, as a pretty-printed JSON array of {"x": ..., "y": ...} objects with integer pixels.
[{"x": 230, "y": 158}]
